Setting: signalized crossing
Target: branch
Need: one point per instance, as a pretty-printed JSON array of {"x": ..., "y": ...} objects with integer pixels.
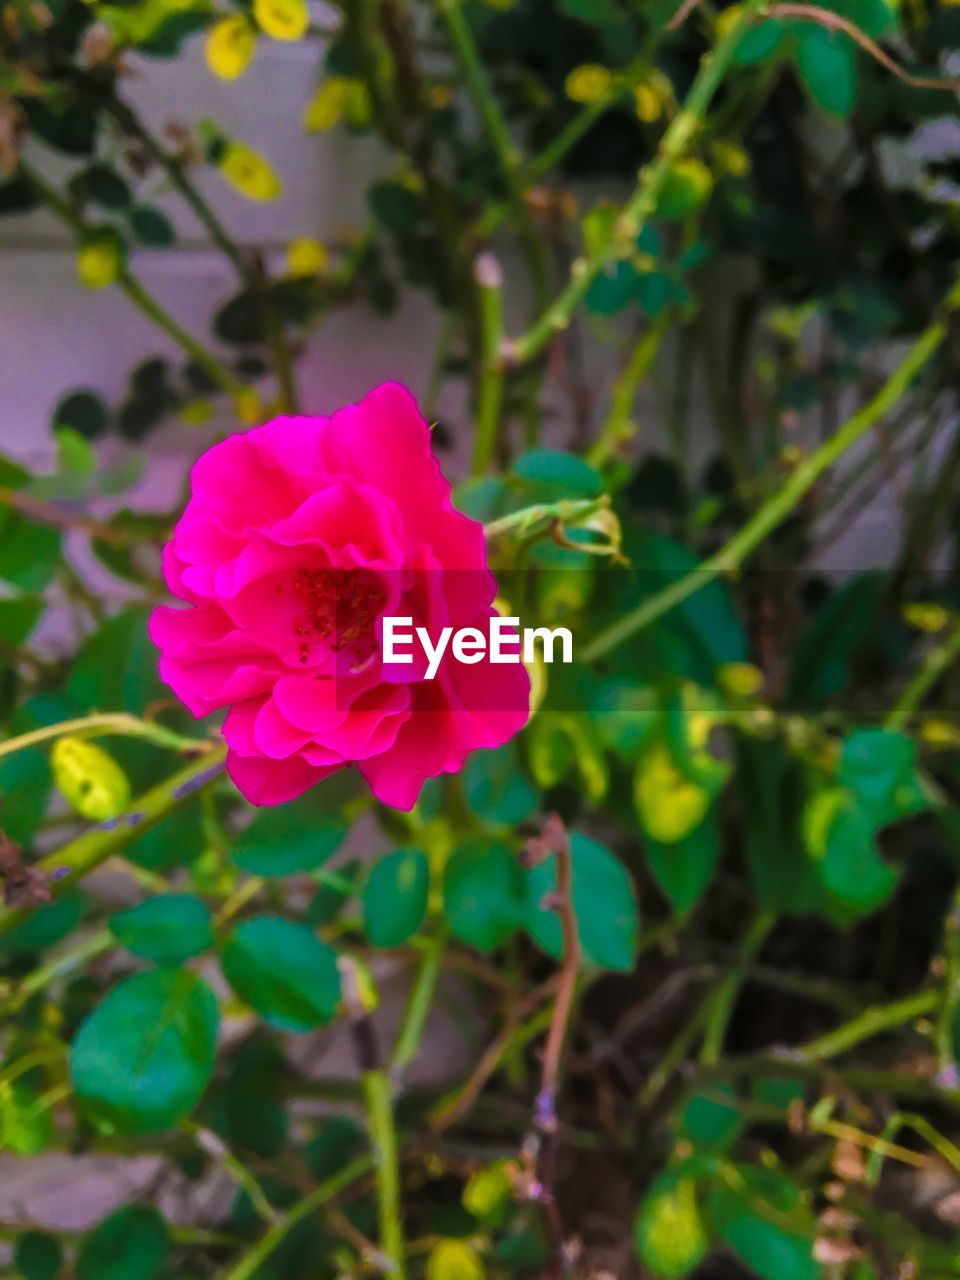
[
  {"x": 777, "y": 508},
  {"x": 489, "y": 278}
]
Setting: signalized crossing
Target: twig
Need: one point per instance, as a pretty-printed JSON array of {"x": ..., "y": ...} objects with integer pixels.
[
  {"x": 643, "y": 203},
  {"x": 541, "y": 1147},
  {"x": 418, "y": 1007},
  {"x": 378, "y": 1100},
  {"x": 65, "y": 866},
  {"x": 104, "y": 725},
  {"x": 936, "y": 663}
]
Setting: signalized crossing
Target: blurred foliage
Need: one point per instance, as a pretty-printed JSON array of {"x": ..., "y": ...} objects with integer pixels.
[{"x": 757, "y": 760}]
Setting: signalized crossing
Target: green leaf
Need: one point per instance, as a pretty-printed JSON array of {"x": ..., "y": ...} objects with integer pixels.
[
  {"x": 495, "y": 788},
  {"x": 395, "y": 897},
  {"x": 771, "y": 1250},
  {"x": 18, "y": 618},
  {"x": 26, "y": 1125},
  {"x": 116, "y": 669},
  {"x": 877, "y": 765},
  {"x": 151, "y": 227},
  {"x": 143, "y": 1057},
  {"x": 553, "y": 474},
  {"x": 761, "y": 42},
  {"x": 75, "y": 455},
  {"x": 167, "y": 929},
  {"x": 89, "y": 779},
  {"x": 669, "y": 1234},
  {"x": 770, "y": 783},
  {"x": 29, "y": 553},
  {"x": 38, "y": 1256},
  {"x": 708, "y": 1121},
  {"x": 330, "y": 898},
  {"x": 684, "y": 869},
  {"x": 604, "y": 902},
  {"x": 105, "y": 186},
  {"x": 826, "y": 63},
  {"x": 283, "y": 972},
  {"x": 291, "y": 838},
  {"x": 44, "y": 926},
  {"x": 130, "y": 1244},
  {"x": 686, "y": 186},
  {"x": 482, "y": 893},
  {"x": 846, "y": 857}
]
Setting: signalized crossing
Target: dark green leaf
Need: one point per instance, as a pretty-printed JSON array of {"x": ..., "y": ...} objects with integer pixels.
[
  {"x": 482, "y": 893},
  {"x": 38, "y": 1256},
  {"x": 283, "y": 972},
  {"x": 151, "y": 227},
  {"x": 168, "y": 928},
  {"x": 129, "y": 1245},
  {"x": 826, "y": 62},
  {"x": 291, "y": 838},
  {"x": 684, "y": 869},
  {"x": 143, "y": 1057},
  {"x": 29, "y": 553},
  {"x": 395, "y": 897},
  {"x": 709, "y": 1121},
  {"x": 18, "y": 618},
  {"x": 83, "y": 411},
  {"x": 552, "y": 474},
  {"x": 106, "y": 187},
  {"x": 496, "y": 789}
]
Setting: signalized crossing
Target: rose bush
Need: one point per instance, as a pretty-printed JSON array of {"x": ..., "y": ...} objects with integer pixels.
[{"x": 299, "y": 537}]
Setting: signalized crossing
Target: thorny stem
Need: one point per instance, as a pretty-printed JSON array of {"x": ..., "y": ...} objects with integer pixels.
[
  {"x": 545, "y": 1141},
  {"x": 65, "y": 866},
  {"x": 643, "y": 203},
  {"x": 418, "y": 1007},
  {"x": 776, "y": 509},
  {"x": 567, "y": 511}
]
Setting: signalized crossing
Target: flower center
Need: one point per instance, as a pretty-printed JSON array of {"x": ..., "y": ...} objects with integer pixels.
[{"x": 340, "y": 609}]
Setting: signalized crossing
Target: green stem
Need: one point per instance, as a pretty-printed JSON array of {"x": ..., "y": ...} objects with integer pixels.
[
  {"x": 489, "y": 280},
  {"x": 643, "y": 203},
  {"x": 66, "y": 962},
  {"x": 937, "y": 662},
  {"x": 618, "y": 428},
  {"x": 252, "y": 1261},
  {"x": 776, "y": 509},
  {"x": 509, "y": 157},
  {"x": 236, "y": 1170},
  {"x": 723, "y": 999},
  {"x": 872, "y": 1022},
  {"x": 418, "y": 1006},
  {"x": 65, "y": 866},
  {"x": 950, "y": 994},
  {"x": 99, "y": 726},
  {"x": 135, "y": 291},
  {"x": 378, "y": 1095},
  {"x": 567, "y": 511}
]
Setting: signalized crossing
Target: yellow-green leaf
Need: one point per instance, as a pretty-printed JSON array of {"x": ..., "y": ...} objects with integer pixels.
[
  {"x": 89, "y": 779},
  {"x": 247, "y": 171},
  {"x": 669, "y": 1234},
  {"x": 670, "y": 805},
  {"x": 454, "y": 1260},
  {"x": 230, "y": 46},
  {"x": 282, "y": 19}
]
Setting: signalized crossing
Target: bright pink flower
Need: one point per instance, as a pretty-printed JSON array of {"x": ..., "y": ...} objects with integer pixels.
[{"x": 298, "y": 538}]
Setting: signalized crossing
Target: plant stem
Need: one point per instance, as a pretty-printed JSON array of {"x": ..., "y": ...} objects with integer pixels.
[
  {"x": 946, "y": 1014},
  {"x": 871, "y": 1022},
  {"x": 135, "y": 291},
  {"x": 507, "y": 153},
  {"x": 776, "y": 509},
  {"x": 724, "y": 998},
  {"x": 378, "y": 1096},
  {"x": 213, "y": 1145},
  {"x": 104, "y": 725},
  {"x": 418, "y": 1007},
  {"x": 252, "y": 1261},
  {"x": 489, "y": 280},
  {"x": 936, "y": 663},
  {"x": 65, "y": 866},
  {"x": 618, "y": 428},
  {"x": 643, "y": 203},
  {"x": 566, "y": 511}
]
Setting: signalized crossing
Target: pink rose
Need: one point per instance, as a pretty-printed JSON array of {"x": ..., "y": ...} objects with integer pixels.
[{"x": 298, "y": 538}]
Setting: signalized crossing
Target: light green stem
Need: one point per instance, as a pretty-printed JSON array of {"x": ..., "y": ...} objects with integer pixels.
[
  {"x": 65, "y": 866},
  {"x": 101, "y": 726},
  {"x": 937, "y": 662},
  {"x": 773, "y": 512},
  {"x": 378, "y": 1095},
  {"x": 872, "y": 1022},
  {"x": 489, "y": 280},
  {"x": 723, "y": 1000},
  {"x": 567, "y": 511},
  {"x": 618, "y": 426},
  {"x": 484, "y": 99},
  {"x": 642, "y": 204},
  {"x": 252, "y": 1261},
  {"x": 418, "y": 1006}
]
